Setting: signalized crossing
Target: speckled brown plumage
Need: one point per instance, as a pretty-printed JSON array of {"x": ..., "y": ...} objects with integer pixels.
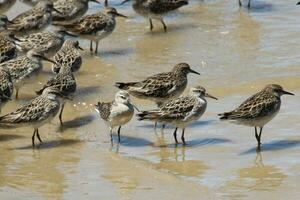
[
  {"x": 258, "y": 110},
  {"x": 160, "y": 87},
  {"x": 8, "y": 49},
  {"x": 33, "y": 20},
  {"x": 68, "y": 55},
  {"x": 6, "y": 86}
]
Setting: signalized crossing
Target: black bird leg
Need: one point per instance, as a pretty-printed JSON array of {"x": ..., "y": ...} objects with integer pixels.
[
  {"x": 119, "y": 137},
  {"x": 33, "y": 137},
  {"x": 96, "y": 50},
  {"x": 151, "y": 25},
  {"x": 38, "y": 136},
  {"x": 175, "y": 135},
  {"x": 182, "y": 137},
  {"x": 60, "y": 114},
  {"x": 165, "y": 26},
  {"x": 91, "y": 46}
]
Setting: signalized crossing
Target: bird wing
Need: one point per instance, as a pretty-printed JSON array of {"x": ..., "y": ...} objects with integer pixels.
[
  {"x": 158, "y": 85},
  {"x": 35, "y": 41},
  {"x": 6, "y": 85},
  {"x": 19, "y": 68},
  {"x": 163, "y": 6},
  {"x": 177, "y": 108},
  {"x": 25, "y": 20},
  {"x": 88, "y": 24},
  {"x": 33, "y": 111},
  {"x": 104, "y": 109},
  {"x": 258, "y": 105},
  {"x": 65, "y": 83}
]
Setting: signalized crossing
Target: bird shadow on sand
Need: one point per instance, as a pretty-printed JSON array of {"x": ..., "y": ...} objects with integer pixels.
[
  {"x": 85, "y": 91},
  {"x": 198, "y": 142},
  {"x": 259, "y": 6},
  {"x": 167, "y": 127},
  {"x": 8, "y": 137},
  {"x": 158, "y": 29},
  {"x": 75, "y": 123},
  {"x": 274, "y": 146},
  {"x": 115, "y": 52},
  {"x": 51, "y": 144},
  {"x": 131, "y": 141}
]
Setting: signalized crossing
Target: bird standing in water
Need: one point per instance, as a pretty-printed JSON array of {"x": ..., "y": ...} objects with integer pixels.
[
  {"x": 116, "y": 113},
  {"x": 258, "y": 110},
  {"x": 156, "y": 9},
  {"x": 180, "y": 111}
]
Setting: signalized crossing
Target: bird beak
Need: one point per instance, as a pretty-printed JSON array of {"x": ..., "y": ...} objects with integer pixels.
[
  {"x": 44, "y": 58},
  {"x": 210, "y": 96},
  {"x": 288, "y": 93},
  {"x": 95, "y": 1},
  {"x": 120, "y": 15},
  {"x": 9, "y": 21},
  {"x": 15, "y": 38},
  {"x": 70, "y": 34},
  {"x": 125, "y": 1},
  {"x": 192, "y": 71},
  {"x": 137, "y": 109},
  {"x": 57, "y": 11},
  {"x": 79, "y": 47}
]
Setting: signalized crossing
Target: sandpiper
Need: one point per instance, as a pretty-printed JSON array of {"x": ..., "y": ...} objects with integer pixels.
[
  {"x": 116, "y": 113},
  {"x": 160, "y": 87},
  {"x": 68, "y": 55},
  {"x": 248, "y": 5},
  {"x": 70, "y": 9},
  {"x": 65, "y": 82},
  {"x": 8, "y": 49},
  {"x": 6, "y": 87},
  {"x": 4, "y": 21},
  {"x": 156, "y": 9},
  {"x": 24, "y": 67},
  {"x": 44, "y": 42},
  {"x": 258, "y": 110},
  {"x": 33, "y": 20},
  {"x": 180, "y": 111},
  {"x": 94, "y": 27},
  {"x": 36, "y": 113},
  {"x": 6, "y": 4}
]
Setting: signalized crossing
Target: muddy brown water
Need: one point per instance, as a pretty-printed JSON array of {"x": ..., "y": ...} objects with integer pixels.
[{"x": 237, "y": 52}]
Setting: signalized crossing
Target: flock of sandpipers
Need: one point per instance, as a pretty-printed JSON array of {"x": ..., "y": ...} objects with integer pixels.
[{"x": 24, "y": 44}]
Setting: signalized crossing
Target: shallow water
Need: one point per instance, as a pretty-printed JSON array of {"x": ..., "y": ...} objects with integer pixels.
[{"x": 237, "y": 52}]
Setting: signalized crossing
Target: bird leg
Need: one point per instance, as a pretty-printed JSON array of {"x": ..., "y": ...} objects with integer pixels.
[
  {"x": 151, "y": 25},
  {"x": 91, "y": 46},
  {"x": 38, "y": 136},
  {"x": 111, "y": 136},
  {"x": 119, "y": 138},
  {"x": 240, "y": 3},
  {"x": 33, "y": 136},
  {"x": 165, "y": 26},
  {"x": 249, "y": 1},
  {"x": 258, "y": 138},
  {"x": 60, "y": 114},
  {"x": 182, "y": 137},
  {"x": 175, "y": 135},
  {"x": 155, "y": 125},
  {"x": 96, "y": 50},
  {"x": 17, "y": 93}
]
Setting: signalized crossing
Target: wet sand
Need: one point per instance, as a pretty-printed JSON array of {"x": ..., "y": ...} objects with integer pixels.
[{"x": 237, "y": 52}]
